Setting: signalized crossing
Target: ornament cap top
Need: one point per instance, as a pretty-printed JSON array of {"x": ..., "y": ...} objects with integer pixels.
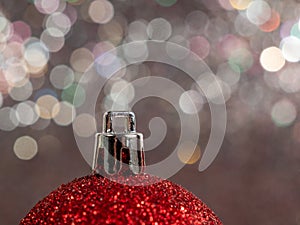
[
  {"x": 119, "y": 151},
  {"x": 110, "y": 115}
]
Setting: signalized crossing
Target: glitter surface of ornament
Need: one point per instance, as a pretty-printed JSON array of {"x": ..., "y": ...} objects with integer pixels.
[{"x": 97, "y": 200}]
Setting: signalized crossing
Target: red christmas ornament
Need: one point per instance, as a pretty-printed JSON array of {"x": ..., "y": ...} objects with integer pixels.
[{"x": 128, "y": 196}]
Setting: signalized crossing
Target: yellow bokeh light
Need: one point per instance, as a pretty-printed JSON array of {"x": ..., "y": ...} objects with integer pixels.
[
  {"x": 188, "y": 153},
  {"x": 45, "y": 107},
  {"x": 240, "y": 4}
]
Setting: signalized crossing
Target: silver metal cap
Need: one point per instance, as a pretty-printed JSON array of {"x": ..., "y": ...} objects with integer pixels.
[{"x": 119, "y": 151}]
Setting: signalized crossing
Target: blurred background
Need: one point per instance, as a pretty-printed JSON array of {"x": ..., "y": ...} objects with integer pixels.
[{"x": 253, "y": 48}]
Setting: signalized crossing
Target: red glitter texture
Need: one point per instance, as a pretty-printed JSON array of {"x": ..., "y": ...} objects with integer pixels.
[{"x": 97, "y": 200}]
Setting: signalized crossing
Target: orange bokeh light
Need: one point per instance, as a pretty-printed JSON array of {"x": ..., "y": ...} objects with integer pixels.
[{"x": 272, "y": 24}]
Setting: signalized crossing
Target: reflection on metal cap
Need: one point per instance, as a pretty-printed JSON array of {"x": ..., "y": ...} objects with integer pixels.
[{"x": 119, "y": 151}]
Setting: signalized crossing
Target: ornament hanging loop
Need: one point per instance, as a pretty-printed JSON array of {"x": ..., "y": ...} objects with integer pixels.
[{"x": 119, "y": 152}]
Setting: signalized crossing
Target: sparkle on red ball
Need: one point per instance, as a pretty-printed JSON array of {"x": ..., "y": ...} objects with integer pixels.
[{"x": 97, "y": 200}]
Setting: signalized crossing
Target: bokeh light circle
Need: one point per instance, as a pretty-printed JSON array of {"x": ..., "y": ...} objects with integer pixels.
[
  {"x": 259, "y": 12},
  {"x": 8, "y": 119},
  {"x": 45, "y": 6},
  {"x": 137, "y": 31},
  {"x": 166, "y": 3},
  {"x": 21, "y": 93},
  {"x": 66, "y": 113},
  {"x": 16, "y": 74},
  {"x": 26, "y": 113},
  {"x": 74, "y": 94},
  {"x": 84, "y": 125},
  {"x": 188, "y": 154},
  {"x": 271, "y": 59},
  {"x": 196, "y": 22},
  {"x": 53, "y": 38},
  {"x": 290, "y": 47},
  {"x": 200, "y": 46},
  {"x": 25, "y": 148},
  {"x": 272, "y": 24},
  {"x": 240, "y": 4},
  {"x": 244, "y": 27},
  {"x": 36, "y": 53},
  {"x": 191, "y": 102},
  {"x": 283, "y": 113},
  {"x": 61, "y": 76},
  {"x": 134, "y": 51},
  {"x": 21, "y": 30},
  {"x": 159, "y": 29},
  {"x": 227, "y": 74},
  {"x": 58, "y": 21},
  {"x": 122, "y": 91},
  {"x": 101, "y": 11},
  {"x": 45, "y": 106},
  {"x": 5, "y": 29},
  {"x": 81, "y": 59},
  {"x": 289, "y": 79}
]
